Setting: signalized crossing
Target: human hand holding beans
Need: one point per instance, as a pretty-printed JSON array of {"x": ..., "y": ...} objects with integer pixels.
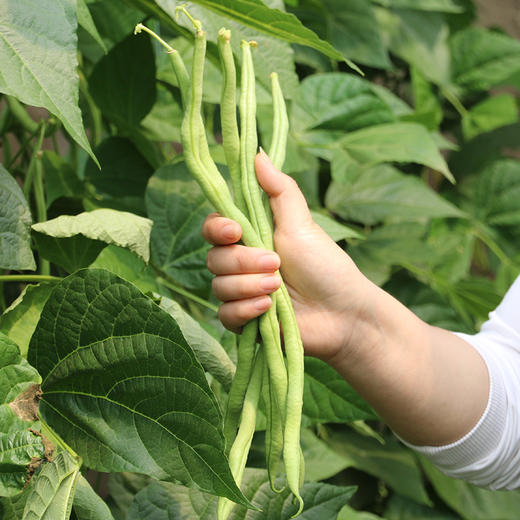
[{"x": 325, "y": 286}]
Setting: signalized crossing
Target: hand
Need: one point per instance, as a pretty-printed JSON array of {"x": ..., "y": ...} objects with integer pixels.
[{"x": 327, "y": 289}]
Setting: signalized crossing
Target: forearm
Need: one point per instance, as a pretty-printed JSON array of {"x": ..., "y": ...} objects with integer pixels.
[{"x": 430, "y": 386}]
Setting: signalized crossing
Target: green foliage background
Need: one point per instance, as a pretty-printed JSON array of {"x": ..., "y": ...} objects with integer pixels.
[{"x": 108, "y": 326}]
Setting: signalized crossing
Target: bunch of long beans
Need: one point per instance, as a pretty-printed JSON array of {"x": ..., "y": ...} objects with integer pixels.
[{"x": 261, "y": 369}]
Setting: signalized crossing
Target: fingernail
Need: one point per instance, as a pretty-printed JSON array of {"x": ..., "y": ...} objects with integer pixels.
[
  {"x": 270, "y": 283},
  {"x": 230, "y": 231},
  {"x": 262, "y": 304},
  {"x": 268, "y": 262},
  {"x": 263, "y": 155}
]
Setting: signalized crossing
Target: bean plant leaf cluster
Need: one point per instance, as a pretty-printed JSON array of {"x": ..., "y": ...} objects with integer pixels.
[{"x": 112, "y": 357}]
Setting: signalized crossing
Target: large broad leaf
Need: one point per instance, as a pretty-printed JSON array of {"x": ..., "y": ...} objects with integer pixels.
[
  {"x": 18, "y": 445},
  {"x": 85, "y": 20},
  {"x": 104, "y": 225},
  {"x": 209, "y": 351},
  {"x": 15, "y": 215},
  {"x": 123, "y": 82},
  {"x": 178, "y": 208},
  {"x": 494, "y": 112},
  {"x": 497, "y": 194},
  {"x": 38, "y": 59},
  {"x": 420, "y": 38},
  {"x": 371, "y": 195},
  {"x": 327, "y": 397},
  {"x": 122, "y": 387},
  {"x": 483, "y": 58},
  {"x": 400, "y": 142},
  {"x": 471, "y": 502},
  {"x": 60, "y": 178},
  {"x": 271, "y": 55},
  {"x": 338, "y": 101},
  {"x": 124, "y": 173},
  {"x": 353, "y": 30},
  {"x": 128, "y": 266},
  {"x": 161, "y": 501},
  {"x": 11, "y": 508},
  {"x": 347, "y": 513},
  {"x": 88, "y": 505},
  {"x": 392, "y": 463},
  {"x": 273, "y": 22},
  {"x": 320, "y": 461},
  {"x": 52, "y": 491}
]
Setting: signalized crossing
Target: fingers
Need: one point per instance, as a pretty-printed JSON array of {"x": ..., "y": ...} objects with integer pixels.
[
  {"x": 239, "y": 286},
  {"x": 235, "y": 314},
  {"x": 237, "y": 259},
  {"x": 219, "y": 230}
]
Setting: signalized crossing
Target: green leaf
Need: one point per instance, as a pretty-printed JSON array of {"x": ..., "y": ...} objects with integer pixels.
[
  {"x": 352, "y": 29},
  {"x": 271, "y": 55},
  {"x": 327, "y": 397},
  {"x": 273, "y": 22},
  {"x": 17, "y": 444},
  {"x": 209, "y": 351},
  {"x": 122, "y": 387},
  {"x": 123, "y": 82},
  {"x": 16, "y": 375},
  {"x": 124, "y": 173},
  {"x": 105, "y": 225},
  {"x": 178, "y": 208},
  {"x": 38, "y": 59},
  {"x": 482, "y": 58},
  {"x": 347, "y": 513},
  {"x": 400, "y": 508},
  {"x": 85, "y": 20},
  {"x": 390, "y": 462},
  {"x": 60, "y": 178},
  {"x": 16, "y": 451},
  {"x": 428, "y": 110},
  {"x": 163, "y": 501},
  {"x": 53, "y": 488},
  {"x": 15, "y": 215},
  {"x": 12, "y": 508},
  {"x": 71, "y": 253},
  {"x": 497, "y": 193},
  {"x": 400, "y": 142},
  {"x": 420, "y": 38},
  {"x": 445, "y": 6},
  {"x": 333, "y": 228},
  {"x": 338, "y": 101},
  {"x": 321, "y": 462},
  {"x": 485, "y": 148},
  {"x": 122, "y": 488},
  {"x": 493, "y": 112},
  {"x": 371, "y": 195},
  {"x": 471, "y": 502},
  {"x": 128, "y": 266},
  {"x": 88, "y": 505}
]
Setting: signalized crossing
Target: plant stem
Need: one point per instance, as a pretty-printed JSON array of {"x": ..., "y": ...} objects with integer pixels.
[
  {"x": 95, "y": 113},
  {"x": 32, "y": 165},
  {"x": 29, "y": 278},
  {"x": 21, "y": 115},
  {"x": 187, "y": 294},
  {"x": 455, "y": 101}
]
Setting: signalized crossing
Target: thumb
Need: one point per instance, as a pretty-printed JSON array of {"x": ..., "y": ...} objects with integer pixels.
[{"x": 287, "y": 201}]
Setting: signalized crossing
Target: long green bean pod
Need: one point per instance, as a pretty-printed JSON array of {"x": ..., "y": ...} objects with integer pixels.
[
  {"x": 280, "y": 124},
  {"x": 294, "y": 403},
  {"x": 248, "y": 149},
  {"x": 240, "y": 448},
  {"x": 175, "y": 59},
  {"x": 228, "y": 115},
  {"x": 273, "y": 431},
  {"x": 237, "y": 392}
]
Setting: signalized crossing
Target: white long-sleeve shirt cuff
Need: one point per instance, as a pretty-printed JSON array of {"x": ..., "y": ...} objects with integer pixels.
[{"x": 489, "y": 455}]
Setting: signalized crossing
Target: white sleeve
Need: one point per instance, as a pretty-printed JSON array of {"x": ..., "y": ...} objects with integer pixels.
[{"x": 489, "y": 455}]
